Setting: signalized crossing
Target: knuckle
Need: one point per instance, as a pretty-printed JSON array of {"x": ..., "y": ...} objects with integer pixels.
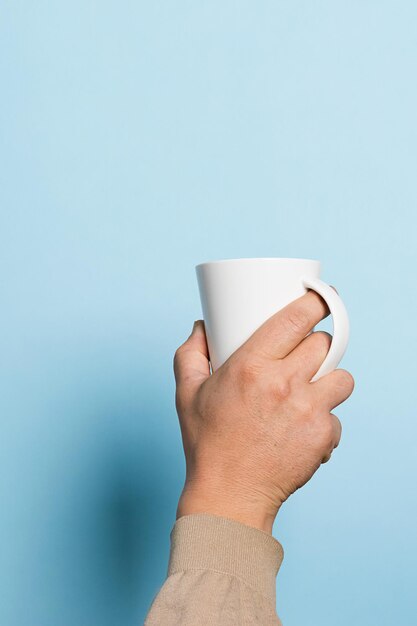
[
  {"x": 345, "y": 381},
  {"x": 304, "y": 408},
  {"x": 298, "y": 320},
  {"x": 326, "y": 434},
  {"x": 248, "y": 372},
  {"x": 280, "y": 388},
  {"x": 178, "y": 362},
  {"x": 338, "y": 437},
  {"x": 178, "y": 352},
  {"x": 177, "y": 359}
]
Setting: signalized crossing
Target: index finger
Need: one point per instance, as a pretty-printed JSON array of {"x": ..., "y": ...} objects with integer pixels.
[{"x": 286, "y": 328}]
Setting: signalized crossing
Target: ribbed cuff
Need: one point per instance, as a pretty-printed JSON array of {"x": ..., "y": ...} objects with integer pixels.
[{"x": 206, "y": 541}]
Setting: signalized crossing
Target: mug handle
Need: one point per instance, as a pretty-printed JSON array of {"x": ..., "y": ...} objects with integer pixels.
[{"x": 340, "y": 325}]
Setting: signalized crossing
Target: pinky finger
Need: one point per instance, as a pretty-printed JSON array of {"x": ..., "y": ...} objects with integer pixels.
[
  {"x": 335, "y": 387},
  {"x": 337, "y": 428}
]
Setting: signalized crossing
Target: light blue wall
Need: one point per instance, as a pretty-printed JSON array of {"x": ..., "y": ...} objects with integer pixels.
[{"x": 138, "y": 139}]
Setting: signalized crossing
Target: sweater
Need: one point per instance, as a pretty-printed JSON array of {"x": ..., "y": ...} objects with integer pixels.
[{"x": 220, "y": 573}]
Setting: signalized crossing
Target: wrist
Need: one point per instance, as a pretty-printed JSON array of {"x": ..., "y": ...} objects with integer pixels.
[{"x": 244, "y": 510}]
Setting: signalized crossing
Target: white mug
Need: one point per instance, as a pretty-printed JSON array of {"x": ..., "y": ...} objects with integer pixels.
[{"x": 239, "y": 295}]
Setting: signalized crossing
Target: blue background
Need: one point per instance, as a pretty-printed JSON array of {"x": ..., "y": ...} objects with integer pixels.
[{"x": 138, "y": 139}]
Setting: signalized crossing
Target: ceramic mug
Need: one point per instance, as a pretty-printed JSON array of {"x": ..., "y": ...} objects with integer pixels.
[{"x": 239, "y": 295}]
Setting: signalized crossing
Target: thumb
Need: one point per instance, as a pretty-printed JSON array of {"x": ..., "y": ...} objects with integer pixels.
[{"x": 191, "y": 360}]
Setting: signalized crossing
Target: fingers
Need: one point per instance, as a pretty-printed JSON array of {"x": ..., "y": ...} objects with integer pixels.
[
  {"x": 284, "y": 330},
  {"x": 191, "y": 360},
  {"x": 334, "y": 388},
  {"x": 337, "y": 433},
  {"x": 304, "y": 361},
  {"x": 338, "y": 429}
]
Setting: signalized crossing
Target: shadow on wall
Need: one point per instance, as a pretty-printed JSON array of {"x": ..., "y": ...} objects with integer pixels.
[
  {"x": 140, "y": 492},
  {"x": 135, "y": 515},
  {"x": 116, "y": 509}
]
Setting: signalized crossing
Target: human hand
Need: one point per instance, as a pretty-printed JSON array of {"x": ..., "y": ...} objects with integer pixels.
[{"x": 257, "y": 429}]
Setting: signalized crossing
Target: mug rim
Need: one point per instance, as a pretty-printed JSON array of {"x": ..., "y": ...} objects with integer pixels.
[{"x": 262, "y": 258}]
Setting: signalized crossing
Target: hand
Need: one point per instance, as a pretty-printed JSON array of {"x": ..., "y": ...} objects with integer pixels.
[{"x": 257, "y": 429}]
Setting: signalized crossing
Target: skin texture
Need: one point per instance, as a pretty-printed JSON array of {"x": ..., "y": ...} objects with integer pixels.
[{"x": 257, "y": 429}]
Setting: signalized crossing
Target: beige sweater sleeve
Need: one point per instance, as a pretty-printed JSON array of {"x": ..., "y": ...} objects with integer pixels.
[{"x": 220, "y": 573}]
